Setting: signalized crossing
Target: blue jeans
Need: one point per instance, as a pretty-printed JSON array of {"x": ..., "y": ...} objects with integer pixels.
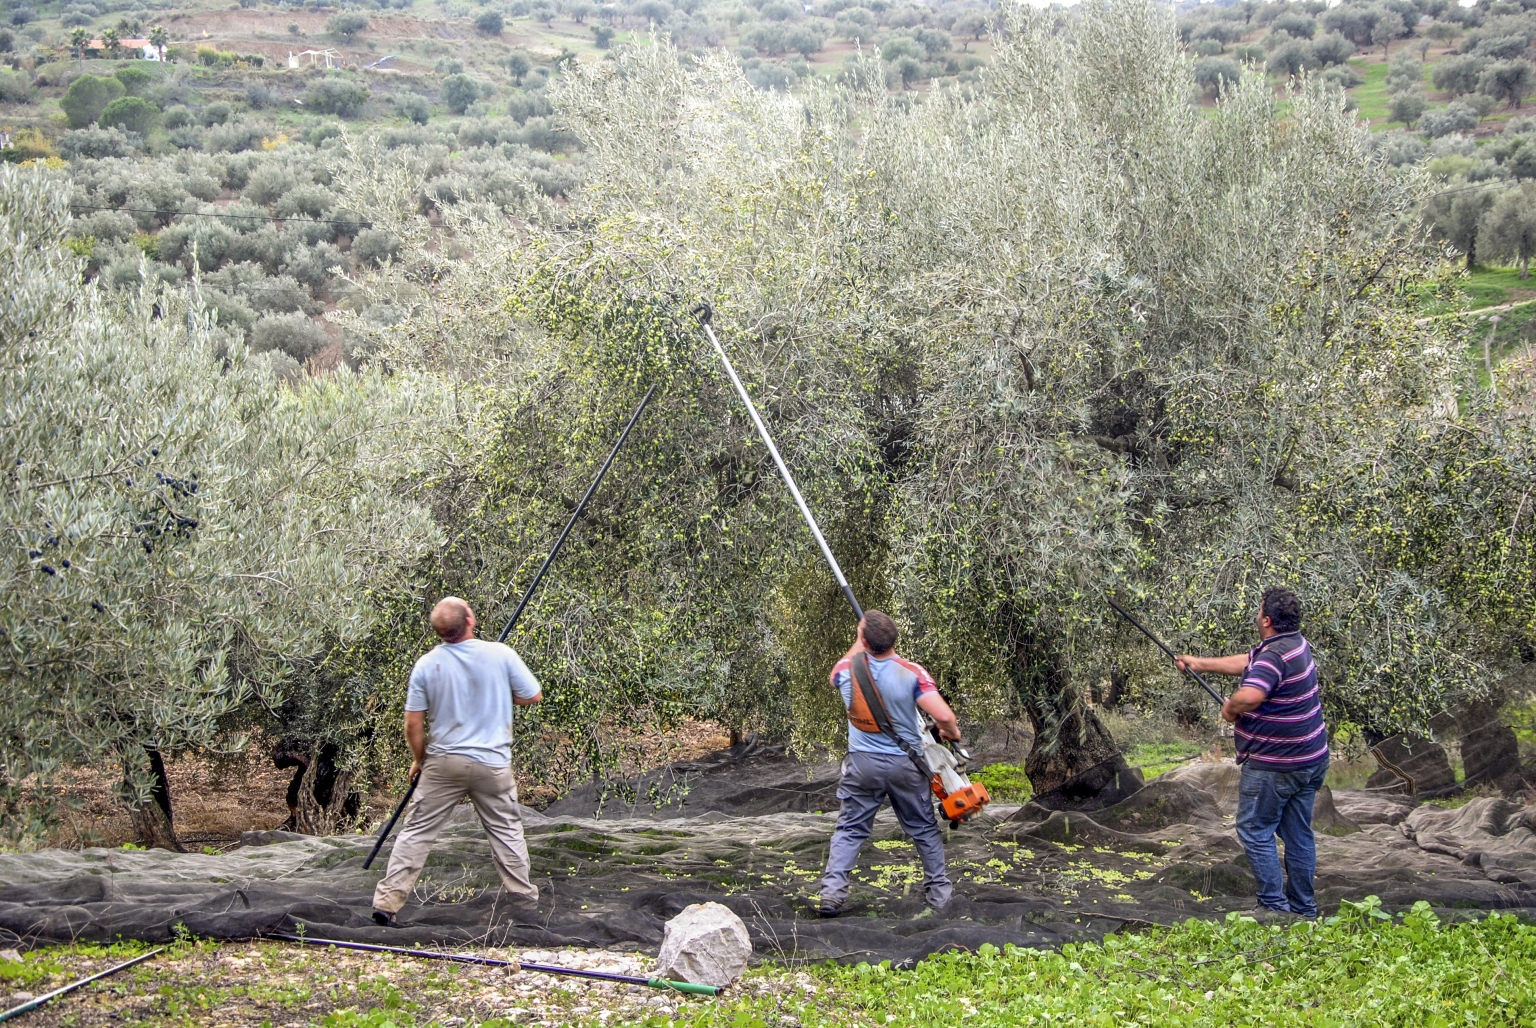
[
  {"x": 869, "y": 778},
  {"x": 1271, "y": 801}
]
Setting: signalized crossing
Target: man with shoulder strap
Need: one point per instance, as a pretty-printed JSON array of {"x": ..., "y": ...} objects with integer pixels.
[
  {"x": 882, "y": 693},
  {"x": 458, "y": 723},
  {"x": 1282, "y": 745}
]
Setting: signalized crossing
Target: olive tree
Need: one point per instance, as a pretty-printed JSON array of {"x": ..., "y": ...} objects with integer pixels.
[
  {"x": 1065, "y": 337},
  {"x": 185, "y": 536}
]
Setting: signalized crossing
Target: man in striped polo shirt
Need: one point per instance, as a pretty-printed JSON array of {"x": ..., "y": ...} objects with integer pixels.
[{"x": 1282, "y": 744}]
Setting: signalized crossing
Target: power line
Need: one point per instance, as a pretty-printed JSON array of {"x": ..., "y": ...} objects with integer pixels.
[{"x": 205, "y": 214}]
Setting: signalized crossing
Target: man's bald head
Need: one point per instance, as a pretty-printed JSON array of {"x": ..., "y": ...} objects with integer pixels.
[{"x": 452, "y": 619}]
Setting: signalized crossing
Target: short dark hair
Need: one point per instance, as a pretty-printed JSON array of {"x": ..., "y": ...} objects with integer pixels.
[
  {"x": 1282, "y": 607},
  {"x": 879, "y": 630}
]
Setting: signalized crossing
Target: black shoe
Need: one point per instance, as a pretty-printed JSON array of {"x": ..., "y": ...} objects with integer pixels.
[
  {"x": 828, "y": 911},
  {"x": 383, "y": 918}
]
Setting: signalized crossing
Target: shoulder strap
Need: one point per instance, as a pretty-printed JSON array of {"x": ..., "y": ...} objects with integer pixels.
[{"x": 864, "y": 688}]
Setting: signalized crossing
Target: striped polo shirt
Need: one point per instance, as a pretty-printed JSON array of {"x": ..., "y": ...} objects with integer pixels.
[{"x": 1286, "y": 732}]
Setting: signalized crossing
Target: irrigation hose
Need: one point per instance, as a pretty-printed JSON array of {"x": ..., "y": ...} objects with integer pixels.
[
  {"x": 516, "y": 965},
  {"x": 33, "y": 1004}
]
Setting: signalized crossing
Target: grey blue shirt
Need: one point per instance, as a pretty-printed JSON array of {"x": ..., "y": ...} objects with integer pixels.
[
  {"x": 900, "y": 682},
  {"x": 466, "y": 688}
]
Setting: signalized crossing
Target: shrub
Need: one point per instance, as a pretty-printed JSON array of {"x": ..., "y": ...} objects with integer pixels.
[
  {"x": 374, "y": 246},
  {"x": 176, "y": 117},
  {"x": 7, "y": 41},
  {"x": 1399, "y": 147},
  {"x": 1457, "y": 117},
  {"x": 522, "y": 106},
  {"x": 29, "y": 144},
  {"x": 293, "y": 334},
  {"x": 1211, "y": 72},
  {"x": 268, "y": 184},
  {"x": 1290, "y": 58},
  {"x": 490, "y": 23},
  {"x": 1296, "y": 25},
  {"x": 98, "y": 143},
  {"x": 1457, "y": 75},
  {"x": 459, "y": 91},
  {"x": 1407, "y": 106},
  {"x": 14, "y": 89},
  {"x": 337, "y": 96},
  {"x": 131, "y": 114},
  {"x": 215, "y": 114},
  {"x": 87, "y": 97},
  {"x": 414, "y": 108},
  {"x": 347, "y": 24},
  {"x": 136, "y": 81},
  {"x": 1332, "y": 49}
]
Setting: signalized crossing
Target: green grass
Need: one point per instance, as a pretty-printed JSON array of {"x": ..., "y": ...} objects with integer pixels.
[
  {"x": 1156, "y": 758},
  {"x": 1360, "y": 967},
  {"x": 1371, "y": 95},
  {"x": 1006, "y": 783}
]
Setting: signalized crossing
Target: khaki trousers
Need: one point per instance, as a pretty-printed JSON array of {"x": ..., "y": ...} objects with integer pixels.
[{"x": 445, "y": 781}]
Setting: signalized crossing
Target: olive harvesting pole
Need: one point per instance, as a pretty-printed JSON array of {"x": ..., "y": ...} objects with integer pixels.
[
  {"x": 538, "y": 577},
  {"x": 1191, "y": 672},
  {"x": 576, "y": 514},
  {"x": 704, "y": 312}
]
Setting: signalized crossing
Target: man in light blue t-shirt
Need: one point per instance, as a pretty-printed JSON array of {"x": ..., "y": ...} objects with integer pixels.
[{"x": 458, "y": 724}]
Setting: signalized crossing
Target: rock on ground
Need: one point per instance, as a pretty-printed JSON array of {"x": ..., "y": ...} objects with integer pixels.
[{"x": 707, "y": 944}]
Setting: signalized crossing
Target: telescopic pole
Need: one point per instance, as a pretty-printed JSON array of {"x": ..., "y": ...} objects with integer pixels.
[
  {"x": 1191, "y": 672},
  {"x": 528, "y": 593},
  {"x": 704, "y": 312},
  {"x": 576, "y": 514},
  {"x": 516, "y": 965}
]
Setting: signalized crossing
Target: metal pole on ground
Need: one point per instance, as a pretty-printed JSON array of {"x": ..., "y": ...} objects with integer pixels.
[
  {"x": 33, "y": 1004},
  {"x": 516, "y": 965},
  {"x": 528, "y": 593},
  {"x": 704, "y": 312}
]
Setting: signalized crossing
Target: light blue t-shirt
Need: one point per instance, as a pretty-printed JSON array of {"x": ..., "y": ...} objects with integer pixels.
[
  {"x": 900, "y": 682},
  {"x": 466, "y": 688}
]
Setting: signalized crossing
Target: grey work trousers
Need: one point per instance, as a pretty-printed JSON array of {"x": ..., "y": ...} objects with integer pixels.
[
  {"x": 445, "y": 781},
  {"x": 869, "y": 778}
]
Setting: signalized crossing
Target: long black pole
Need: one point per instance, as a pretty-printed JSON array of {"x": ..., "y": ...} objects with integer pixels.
[
  {"x": 1191, "y": 672},
  {"x": 528, "y": 593},
  {"x": 704, "y": 312},
  {"x": 576, "y": 514},
  {"x": 516, "y": 965},
  {"x": 33, "y": 1004}
]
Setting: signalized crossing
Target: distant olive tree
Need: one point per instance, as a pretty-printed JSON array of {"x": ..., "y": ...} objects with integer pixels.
[
  {"x": 347, "y": 25},
  {"x": 1507, "y": 229}
]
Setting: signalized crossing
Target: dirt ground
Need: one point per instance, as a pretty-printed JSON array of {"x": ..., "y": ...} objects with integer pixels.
[{"x": 285, "y": 985}]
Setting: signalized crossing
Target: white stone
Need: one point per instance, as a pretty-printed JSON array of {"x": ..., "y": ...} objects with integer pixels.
[
  {"x": 706, "y": 944},
  {"x": 9, "y": 956}
]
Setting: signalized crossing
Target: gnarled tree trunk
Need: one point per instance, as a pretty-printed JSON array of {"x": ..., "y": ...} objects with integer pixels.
[{"x": 1075, "y": 763}]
